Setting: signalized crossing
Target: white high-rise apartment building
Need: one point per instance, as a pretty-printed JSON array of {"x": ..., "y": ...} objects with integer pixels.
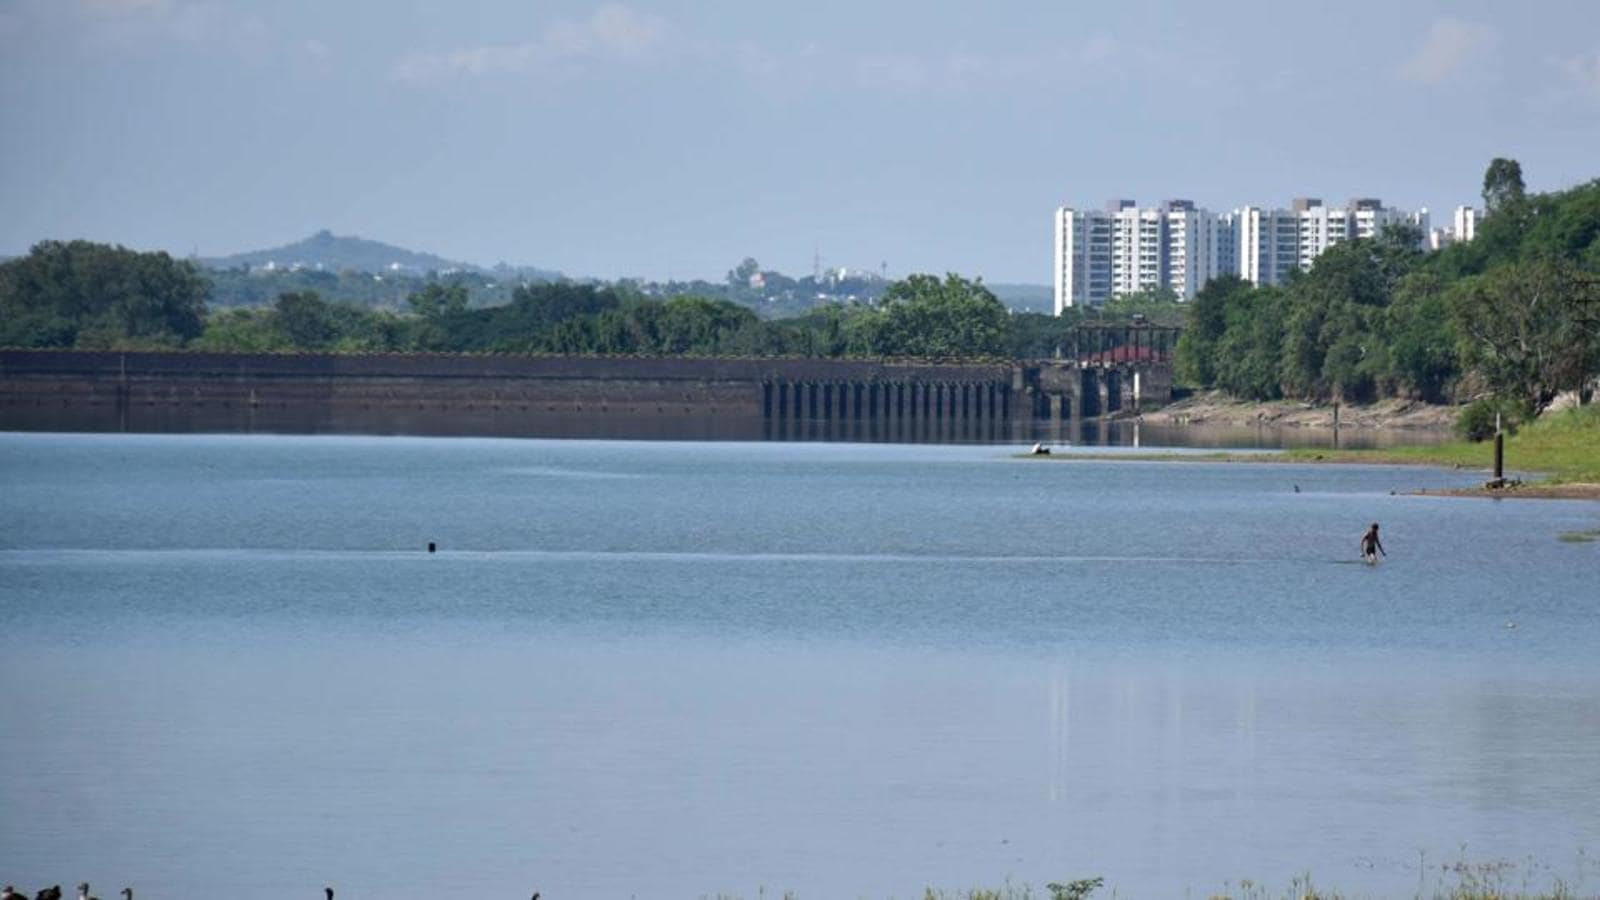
[
  {"x": 1463, "y": 227},
  {"x": 1322, "y": 227},
  {"x": 1318, "y": 229},
  {"x": 1227, "y": 243},
  {"x": 1273, "y": 243},
  {"x": 1136, "y": 249},
  {"x": 1127, "y": 249},
  {"x": 1268, "y": 244},
  {"x": 1083, "y": 258},
  {"x": 1194, "y": 254}
]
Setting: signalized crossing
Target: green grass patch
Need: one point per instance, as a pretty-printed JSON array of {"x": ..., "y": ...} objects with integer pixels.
[
  {"x": 1580, "y": 537},
  {"x": 1565, "y": 446}
]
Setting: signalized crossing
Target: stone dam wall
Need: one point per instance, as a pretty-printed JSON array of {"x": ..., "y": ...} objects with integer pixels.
[{"x": 551, "y": 396}]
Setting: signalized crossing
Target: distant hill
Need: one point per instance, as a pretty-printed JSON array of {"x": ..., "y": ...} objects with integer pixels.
[{"x": 337, "y": 253}]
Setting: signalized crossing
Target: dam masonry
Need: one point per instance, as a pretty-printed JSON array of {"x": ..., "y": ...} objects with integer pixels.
[{"x": 570, "y": 396}]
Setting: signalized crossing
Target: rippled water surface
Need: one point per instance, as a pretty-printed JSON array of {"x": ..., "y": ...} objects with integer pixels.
[{"x": 676, "y": 669}]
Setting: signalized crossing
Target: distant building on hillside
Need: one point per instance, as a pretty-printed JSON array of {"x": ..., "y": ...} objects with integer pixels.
[{"x": 1463, "y": 227}]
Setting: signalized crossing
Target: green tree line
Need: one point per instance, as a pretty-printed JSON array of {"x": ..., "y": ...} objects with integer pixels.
[
  {"x": 93, "y": 296},
  {"x": 1514, "y": 312},
  {"x": 80, "y": 294}
]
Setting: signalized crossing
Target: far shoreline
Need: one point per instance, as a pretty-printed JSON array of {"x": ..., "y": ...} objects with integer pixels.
[
  {"x": 1215, "y": 408},
  {"x": 1512, "y": 489}
]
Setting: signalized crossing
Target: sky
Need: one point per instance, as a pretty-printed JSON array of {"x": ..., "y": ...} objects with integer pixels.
[{"x": 672, "y": 139}]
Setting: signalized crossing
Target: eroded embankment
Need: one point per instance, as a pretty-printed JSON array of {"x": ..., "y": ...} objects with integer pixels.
[{"x": 1217, "y": 408}]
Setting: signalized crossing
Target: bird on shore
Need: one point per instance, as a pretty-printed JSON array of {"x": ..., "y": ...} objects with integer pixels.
[
  {"x": 11, "y": 893},
  {"x": 49, "y": 893},
  {"x": 329, "y": 892},
  {"x": 83, "y": 891},
  {"x": 127, "y": 893}
]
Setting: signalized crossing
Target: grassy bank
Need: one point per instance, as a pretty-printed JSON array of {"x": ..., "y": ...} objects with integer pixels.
[{"x": 1564, "y": 446}]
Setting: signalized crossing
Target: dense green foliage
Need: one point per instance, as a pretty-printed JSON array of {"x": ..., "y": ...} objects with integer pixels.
[
  {"x": 923, "y": 316},
  {"x": 1515, "y": 312},
  {"x": 1479, "y": 419},
  {"x": 1502, "y": 184},
  {"x": 1532, "y": 329},
  {"x": 545, "y": 318},
  {"x": 1159, "y": 307},
  {"x": 386, "y": 290},
  {"x": 79, "y": 294},
  {"x": 86, "y": 295}
]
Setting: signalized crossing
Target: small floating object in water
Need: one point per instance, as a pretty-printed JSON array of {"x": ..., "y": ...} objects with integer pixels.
[
  {"x": 1297, "y": 489},
  {"x": 1039, "y": 449},
  {"x": 1511, "y": 624},
  {"x": 431, "y": 547}
]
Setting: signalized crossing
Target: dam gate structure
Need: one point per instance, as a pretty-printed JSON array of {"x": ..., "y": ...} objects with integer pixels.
[{"x": 565, "y": 396}]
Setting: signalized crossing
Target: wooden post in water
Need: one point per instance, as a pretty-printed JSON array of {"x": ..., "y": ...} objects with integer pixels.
[{"x": 1499, "y": 451}]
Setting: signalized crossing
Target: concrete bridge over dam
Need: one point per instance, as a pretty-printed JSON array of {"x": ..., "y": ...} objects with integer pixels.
[{"x": 570, "y": 396}]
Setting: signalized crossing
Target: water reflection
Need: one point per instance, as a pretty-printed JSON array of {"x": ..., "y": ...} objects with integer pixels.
[
  {"x": 683, "y": 425},
  {"x": 648, "y": 670},
  {"x": 1168, "y": 761}
]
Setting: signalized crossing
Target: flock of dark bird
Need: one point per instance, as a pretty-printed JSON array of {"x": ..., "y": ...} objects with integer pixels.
[{"x": 84, "y": 894}]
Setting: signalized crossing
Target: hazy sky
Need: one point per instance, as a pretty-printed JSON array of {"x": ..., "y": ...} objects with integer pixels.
[{"x": 674, "y": 138}]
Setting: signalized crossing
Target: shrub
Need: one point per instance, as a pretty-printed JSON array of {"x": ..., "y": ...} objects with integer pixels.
[{"x": 1476, "y": 420}]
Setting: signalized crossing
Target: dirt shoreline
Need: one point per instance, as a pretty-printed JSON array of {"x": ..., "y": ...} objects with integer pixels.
[
  {"x": 1569, "y": 491},
  {"x": 1216, "y": 408},
  {"x": 1511, "y": 490}
]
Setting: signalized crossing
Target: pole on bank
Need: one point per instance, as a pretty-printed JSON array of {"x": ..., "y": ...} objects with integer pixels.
[{"x": 1499, "y": 451}]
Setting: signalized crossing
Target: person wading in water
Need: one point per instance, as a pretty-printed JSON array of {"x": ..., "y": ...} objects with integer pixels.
[{"x": 1371, "y": 546}]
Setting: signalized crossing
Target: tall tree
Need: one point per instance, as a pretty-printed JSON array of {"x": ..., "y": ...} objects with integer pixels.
[
  {"x": 78, "y": 292},
  {"x": 739, "y": 276},
  {"x": 437, "y": 299},
  {"x": 1196, "y": 359},
  {"x": 1502, "y": 184},
  {"x": 1248, "y": 354},
  {"x": 305, "y": 320},
  {"x": 1330, "y": 349},
  {"x": 1531, "y": 329},
  {"x": 1421, "y": 339},
  {"x": 923, "y": 316}
]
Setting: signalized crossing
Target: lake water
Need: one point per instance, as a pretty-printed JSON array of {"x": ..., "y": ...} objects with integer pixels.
[{"x": 678, "y": 669}]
